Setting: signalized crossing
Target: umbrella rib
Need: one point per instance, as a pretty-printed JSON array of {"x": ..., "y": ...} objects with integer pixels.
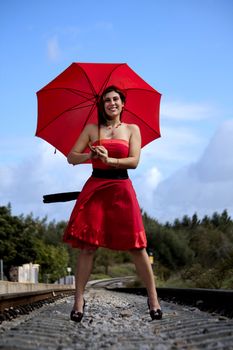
[
  {"x": 108, "y": 77},
  {"x": 89, "y": 114},
  {"x": 137, "y": 117},
  {"x": 140, "y": 89},
  {"x": 88, "y": 79},
  {"x": 80, "y": 93},
  {"x": 74, "y": 91},
  {"x": 78, "y": 106},
  {"x": 67, "y": 110}
]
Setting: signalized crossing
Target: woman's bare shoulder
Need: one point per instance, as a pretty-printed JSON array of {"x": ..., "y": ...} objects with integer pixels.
[
  {"x": 91, "y": 127},
  {"x": 133, "y": 128}
]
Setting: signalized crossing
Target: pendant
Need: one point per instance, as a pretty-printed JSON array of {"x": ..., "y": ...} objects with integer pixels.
[{"x": 113, "y": 127}]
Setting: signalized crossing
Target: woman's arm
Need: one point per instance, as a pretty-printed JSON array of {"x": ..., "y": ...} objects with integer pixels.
[
  {"x": 131, "y": 162},
  {"x": 76, "y": 156}
]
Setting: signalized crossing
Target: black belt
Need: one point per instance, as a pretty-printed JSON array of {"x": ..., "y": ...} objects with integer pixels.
[{"x": 119, "y": 174}]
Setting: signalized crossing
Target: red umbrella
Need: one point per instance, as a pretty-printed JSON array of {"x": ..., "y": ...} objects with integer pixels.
[{"x": 68, "y": 102}]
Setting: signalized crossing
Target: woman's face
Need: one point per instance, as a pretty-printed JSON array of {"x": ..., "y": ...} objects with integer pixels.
[{"x": 113, "y": 104}]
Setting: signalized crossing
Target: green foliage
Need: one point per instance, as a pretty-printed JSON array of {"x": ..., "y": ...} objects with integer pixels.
[
  {"x": 122, "y": 270},
  {"x": 203, "y": 278},
  {"x": 103, "y": 258},
  {"x": 28, "y": 239},
  {"x": 52, "y": 260},
  {"x": 168, "y": 244},
  {"x": 199, "y": 251},
  {"x": 105, "y": 261},
  {"x": 98, "y": 276}
]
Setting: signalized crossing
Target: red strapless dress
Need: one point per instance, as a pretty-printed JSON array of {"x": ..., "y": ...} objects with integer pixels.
[{"x": 107, "y": 213}]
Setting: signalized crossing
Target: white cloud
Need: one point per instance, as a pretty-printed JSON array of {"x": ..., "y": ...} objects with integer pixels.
[
  {"x": 153, "y": 177},
  {"x": 176, "y": 144},
  {"x": 204, "y": 186},
  {"x": 66, "y": 43},
  {"x": 25, "y": 183},
  {"x": 145, "y": 182},
  {"x": 216, "y": 163},
  {"x": 70, "y": 32},
  {"x": 104, "y": 25},
  {"x": 186, "y": 111},
  {"x": 53, "y": 49}
]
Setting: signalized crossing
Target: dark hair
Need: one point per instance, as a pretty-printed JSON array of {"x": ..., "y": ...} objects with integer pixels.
[{"x": 102, "y": 117}]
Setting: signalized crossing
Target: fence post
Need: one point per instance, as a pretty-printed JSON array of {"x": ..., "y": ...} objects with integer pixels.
[{"x": 1, "y": 270}]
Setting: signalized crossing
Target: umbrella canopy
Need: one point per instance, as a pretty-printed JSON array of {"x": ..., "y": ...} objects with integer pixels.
[{"x": 69, "y": 102}]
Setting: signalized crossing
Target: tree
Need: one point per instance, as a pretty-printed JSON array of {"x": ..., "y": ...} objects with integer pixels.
[
  {"x": 23, "y": 241},
  {"x": 53, "y": 261},
  {"x": 186, "y": 222},
  {"x": 195, "y": 221}
]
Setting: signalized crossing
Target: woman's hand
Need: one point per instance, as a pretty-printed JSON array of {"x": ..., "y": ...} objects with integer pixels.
[
  {"x": 102, "y": 153},
  {"x": 93, "y": 153}
]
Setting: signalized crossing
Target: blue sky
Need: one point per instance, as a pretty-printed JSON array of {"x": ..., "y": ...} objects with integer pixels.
[{"x": 182, "y": 48}]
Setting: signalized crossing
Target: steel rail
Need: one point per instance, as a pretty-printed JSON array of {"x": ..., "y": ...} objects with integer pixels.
[
  {"x": 210, "y": 300},
  {"x": 219, "y": 301},
  {"x": 14, "y": 304}
]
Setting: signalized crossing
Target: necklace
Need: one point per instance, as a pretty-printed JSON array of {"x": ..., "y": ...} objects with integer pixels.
[
  {"x": 109, "y": 127},
  {"x": 109, "y": 130}
]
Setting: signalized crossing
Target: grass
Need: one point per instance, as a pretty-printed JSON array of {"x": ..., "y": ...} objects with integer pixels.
[{"x": 175, "y": 280}]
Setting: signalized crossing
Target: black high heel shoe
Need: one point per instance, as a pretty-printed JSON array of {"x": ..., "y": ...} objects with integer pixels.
[
  {"x": 77, "y": 316},
  {"x": 154, "y": 314}
]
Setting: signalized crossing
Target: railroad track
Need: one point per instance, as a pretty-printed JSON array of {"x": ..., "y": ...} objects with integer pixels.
[
  {"x": 210, "y": 300},
  {"x": 16, "y": 304},
  {"x": 117, "y": 321},
  {"x": 13, "y": 305}
]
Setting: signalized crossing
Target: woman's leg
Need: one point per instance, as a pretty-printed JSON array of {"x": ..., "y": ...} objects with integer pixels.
[
  {"x": 145, "y": 272},
  {"x": 83, "y": 271}
]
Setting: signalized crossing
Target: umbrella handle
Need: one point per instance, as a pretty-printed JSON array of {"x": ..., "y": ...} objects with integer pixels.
[{"x": 60, "y": 197}]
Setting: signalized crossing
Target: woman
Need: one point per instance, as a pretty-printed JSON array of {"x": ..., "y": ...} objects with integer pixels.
[{"x": 107, "y": 213}]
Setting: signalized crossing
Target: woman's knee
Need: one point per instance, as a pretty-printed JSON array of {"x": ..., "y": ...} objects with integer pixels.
[
  {"x": 137, "y": 251},
  {"x": 88, "y": 251}
]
